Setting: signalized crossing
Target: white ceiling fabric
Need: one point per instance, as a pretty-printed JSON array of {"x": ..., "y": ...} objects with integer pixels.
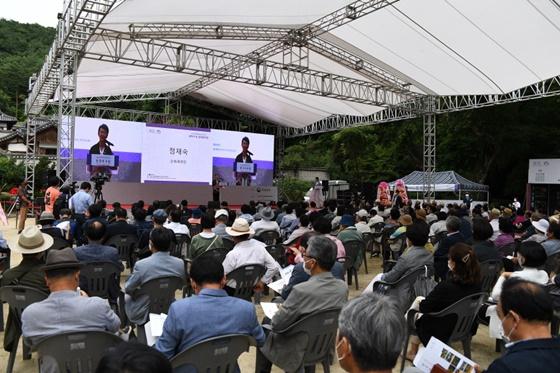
[{"x": 446, "y": 47}]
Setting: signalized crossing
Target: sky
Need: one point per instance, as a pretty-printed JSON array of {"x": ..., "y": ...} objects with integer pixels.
[{"x": 42, "y": 12}]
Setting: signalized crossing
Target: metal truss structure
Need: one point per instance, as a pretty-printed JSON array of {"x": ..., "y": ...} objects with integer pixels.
[{"x": 281, "y": 63}]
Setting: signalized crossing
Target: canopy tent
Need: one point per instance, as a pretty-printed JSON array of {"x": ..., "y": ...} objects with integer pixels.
[
  {"x": 445, "y": 181},
  {"x": 429, "y": 47}
]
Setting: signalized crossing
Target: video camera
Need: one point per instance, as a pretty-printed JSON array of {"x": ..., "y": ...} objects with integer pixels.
[{"x": 99, "y": 179}]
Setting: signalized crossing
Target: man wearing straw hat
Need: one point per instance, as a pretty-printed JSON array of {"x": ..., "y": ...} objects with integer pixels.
[
  {"x": 67, "y": 308},
  {"x": 31, "y": 244}
]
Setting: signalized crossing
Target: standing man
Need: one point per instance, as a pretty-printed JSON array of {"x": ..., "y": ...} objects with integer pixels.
[
  {"x": 80, "y": 203},
  {"x": 243, "y": 157},
  {"x": 102, "y": 147},
  {"x": 24, "y": 203},
  {"x": 51, "y": 194}
]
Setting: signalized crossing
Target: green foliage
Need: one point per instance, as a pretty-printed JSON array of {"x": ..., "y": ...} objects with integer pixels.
[
  {"x": 11, "y": 173},
  {"x": 292, "y": 189},
  {"x": 22, "y": 51}
]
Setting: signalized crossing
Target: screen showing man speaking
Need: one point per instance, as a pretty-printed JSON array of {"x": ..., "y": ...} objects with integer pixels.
[{"x": 152, "y": 153}]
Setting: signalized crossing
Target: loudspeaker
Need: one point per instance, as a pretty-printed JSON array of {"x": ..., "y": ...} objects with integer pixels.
[{"x": 325, "y": 185}]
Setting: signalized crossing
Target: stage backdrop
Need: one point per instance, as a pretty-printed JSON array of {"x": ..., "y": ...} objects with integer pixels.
[{"x": 157, "y": 153}]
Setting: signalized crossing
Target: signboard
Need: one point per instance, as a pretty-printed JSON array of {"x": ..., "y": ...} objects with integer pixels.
[{"x": 544, "y": 171}]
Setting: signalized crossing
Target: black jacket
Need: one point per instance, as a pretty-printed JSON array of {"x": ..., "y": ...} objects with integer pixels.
[
  {"x": 95, "y": 150},
  {"x": 536, "y": 355}
]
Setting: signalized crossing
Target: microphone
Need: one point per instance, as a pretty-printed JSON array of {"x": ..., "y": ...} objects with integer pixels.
[
  {"x": 109, "y": 143},
  {"x": 248, "y": 152}
]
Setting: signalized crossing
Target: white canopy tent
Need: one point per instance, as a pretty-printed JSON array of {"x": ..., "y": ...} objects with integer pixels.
[{"x": 302, "y": 66}]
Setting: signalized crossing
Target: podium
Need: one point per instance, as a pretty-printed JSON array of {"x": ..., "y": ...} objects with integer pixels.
[
  {"x": 245, "y": 170},
  {"x": 103, "y": 160}
]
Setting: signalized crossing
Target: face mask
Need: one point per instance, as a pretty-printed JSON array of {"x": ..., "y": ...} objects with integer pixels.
[
  {"x": 506, "y": 338},
  {"x": 307, "y": 270},
  {"x": 450, "y": 267}
]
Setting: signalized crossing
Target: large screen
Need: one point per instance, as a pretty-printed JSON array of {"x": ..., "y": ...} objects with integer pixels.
[{"x": 158, "y": 153}]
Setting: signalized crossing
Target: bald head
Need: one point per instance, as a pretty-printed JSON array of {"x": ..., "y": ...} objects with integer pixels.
[{"x": 95, "y": 230}]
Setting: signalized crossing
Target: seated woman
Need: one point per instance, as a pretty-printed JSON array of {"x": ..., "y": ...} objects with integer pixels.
[
  {"x": 505, "y": 236},
  {"x": 530, "y": 257},
  {"x": 205, "y": 240},
  {"x": 463, "y": 280}
]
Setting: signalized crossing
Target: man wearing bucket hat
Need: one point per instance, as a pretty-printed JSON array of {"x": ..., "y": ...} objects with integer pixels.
[
  {"x": 31, "y": 244},
  {"x": 266, "y": 223},
  {"x": 248, "y": 251},
  {"x": 74, "y": 310}
]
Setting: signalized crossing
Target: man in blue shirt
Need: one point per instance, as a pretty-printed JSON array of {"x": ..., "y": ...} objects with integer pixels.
[
  {"x": 79, "y": 203},
  {"x": 210, "y": 313}
]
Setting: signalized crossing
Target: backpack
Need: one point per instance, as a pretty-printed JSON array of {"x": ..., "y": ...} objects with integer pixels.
[{"x": 60, "y": 203}]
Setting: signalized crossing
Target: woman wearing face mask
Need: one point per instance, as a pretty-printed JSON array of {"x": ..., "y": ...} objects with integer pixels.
[
  {"x": 530, "y": 257},
  {"x": 463, "y": 280}
]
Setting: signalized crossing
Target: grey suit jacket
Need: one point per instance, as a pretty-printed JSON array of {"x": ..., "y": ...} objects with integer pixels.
[
  {"x": 159, "y": 264},
  {"x": 320, "y": 292},
  {"x": 413, "y": 258}
]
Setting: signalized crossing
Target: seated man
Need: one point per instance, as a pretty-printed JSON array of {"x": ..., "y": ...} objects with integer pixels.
[
  {"x": 322, "y": 291},
  {"x": 348, "y": 231},
  {"x": 159, "y": 217},
  {"x": 299, "y": 274},
  {"x": 120, "y": 225},
  {"x": 32, "y": 245},
  {"x": 159, "y": 264},
  {"x": 248, "y": 251},
  {"x": 414, "y": 256},
  {"x": 266, "y": 223},
  {"x": 46, "y": 220},
  {"x": 66, "y": 224},
  {"x": 66, "y": 309},
  {"x": 133, "y": 357},
  {"x": 526, "y": 310},
  {"x": 210, "y": 313},
  {"x": 205, "y": 240},
  {"x": 94, "y": 251},
  {"x": 222, "y": 217},
  {"x": 371, "y": 333},
  {"x": 175, "y": 223}
]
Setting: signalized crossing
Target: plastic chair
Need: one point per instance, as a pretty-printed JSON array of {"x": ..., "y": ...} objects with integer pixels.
[
  {"x": 354, "y": 251},
  {"x": 278, "y": 252},
  {"x": 97, "y": 277},
  {"x": 246, "y": 277},
  {"x": 214, "y": 355},
  {"x": 465, "y": 310},
  {"x": 438, "y": 237},
  {"x": 385, "y": 246},
  {"x": 182, "y": 247},
  {"x": 269, "y": 238},
  {"x": 76, "y": 352},
  {"x": 368, "y": 244},
  {"x": 404, "y": 284},
  {"x": 490, "y": 271},
  {"x": 320, "y": 328},
  {"x": 18, "y": 298},
  {"x": 4, "y": 265},
  {"x": 125, "y": 244}
]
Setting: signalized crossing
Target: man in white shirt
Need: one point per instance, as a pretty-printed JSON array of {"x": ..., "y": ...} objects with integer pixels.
[
  {"x": 375, "y": 218},
  {"x": 248, "y": 251},
  {"x": 266, "y": 223},
  {"x": 175, "y": 223},
  {"x": 439, "y": 226},
  {"x": 362, "y": 222},
  {"x": 495, "y": 223}
]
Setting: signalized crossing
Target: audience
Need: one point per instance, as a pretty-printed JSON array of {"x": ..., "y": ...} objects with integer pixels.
[
  {"x": 371, "y": 332},
  {"x": 440, "y": 225},
  {"x": 266, "y": 224},
  {"x": 248, "y": 251},
  {"x": 526, "y": 310},
  {"x": 463, "y": 280},
  {"x": 300, "y": 231},
  {"x": 159, "y": 217},
  {"x": 205, "y": 240},
  {"x": 541, "y": 228},
  {"x": 362, "y": 222},
  {"x": 322, "y": 226},
  {"x": 552, "y": 243},
  {"x": 195, "y": 217},
  {"x": 347, "y": 231},
  {"x": 32, "y": 245},
  {"x": 222, "y": 218},
  {"x": 94, "y": 251},
  {"x": 375, "y": 218},
  {"x": 67, "y": 308},
  {"x": 210, "y": 313},
  {"x": 322, "y": 291},
  {"x": 159, "y": 264},
  {"x": 505, "y": 236},
  {"x": 133, "y": 358},
  {"x": 175, "y": 223}
]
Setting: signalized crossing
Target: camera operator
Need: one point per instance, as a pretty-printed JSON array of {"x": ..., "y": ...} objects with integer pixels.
[{"x": 79, "y": 203}]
